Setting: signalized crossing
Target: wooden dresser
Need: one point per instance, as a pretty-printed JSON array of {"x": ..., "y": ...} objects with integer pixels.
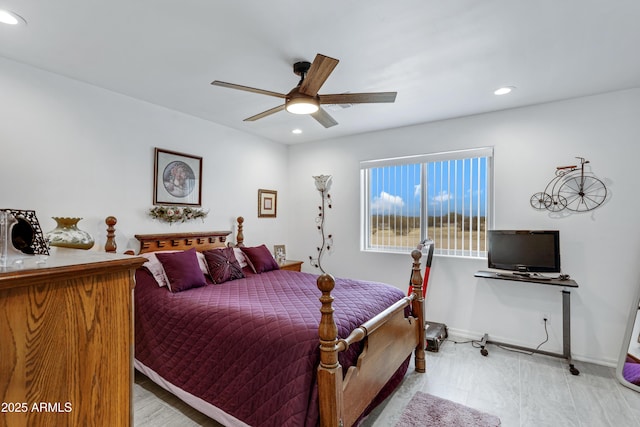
[{"x": 66, "y": 340}]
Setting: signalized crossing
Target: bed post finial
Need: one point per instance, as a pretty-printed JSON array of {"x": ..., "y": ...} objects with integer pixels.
[
  {"x": 329, "y": 370},
  {"x": 417, "y": 308},
  {"x": 240, "y": 234},
  {"x": 110, "y": 245}
]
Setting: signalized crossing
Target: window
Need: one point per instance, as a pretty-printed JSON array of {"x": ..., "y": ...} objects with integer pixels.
[{"x": 443, "y": 196}]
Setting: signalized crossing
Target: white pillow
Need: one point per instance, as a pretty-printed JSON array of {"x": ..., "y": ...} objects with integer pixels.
[
  {"x": 154, "y": 266},
  {"x": 242, "y": 260}
]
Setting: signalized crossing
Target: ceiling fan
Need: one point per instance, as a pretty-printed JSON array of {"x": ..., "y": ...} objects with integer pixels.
[{"x": 304, "y": 98}]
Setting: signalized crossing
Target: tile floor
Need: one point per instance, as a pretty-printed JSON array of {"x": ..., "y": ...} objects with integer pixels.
[{"x": 523, "y": 390}]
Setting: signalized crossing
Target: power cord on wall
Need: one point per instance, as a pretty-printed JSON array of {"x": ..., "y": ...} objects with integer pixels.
[
  {"x": 478, "y": 343},
  {"x": 530, "y": 353}
]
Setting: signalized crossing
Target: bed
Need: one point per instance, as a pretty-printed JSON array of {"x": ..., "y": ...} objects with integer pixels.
[{"x": 270, "y": 347}]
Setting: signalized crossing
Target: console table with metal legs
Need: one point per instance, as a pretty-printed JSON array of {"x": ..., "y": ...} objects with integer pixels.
[{"x": 566, "y": 314}]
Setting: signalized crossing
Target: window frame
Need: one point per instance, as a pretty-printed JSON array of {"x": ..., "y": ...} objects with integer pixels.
[{"x": 422, "y": 160}]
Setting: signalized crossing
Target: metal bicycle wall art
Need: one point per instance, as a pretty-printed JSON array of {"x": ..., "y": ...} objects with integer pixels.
[{"x": 572, "y": 188}]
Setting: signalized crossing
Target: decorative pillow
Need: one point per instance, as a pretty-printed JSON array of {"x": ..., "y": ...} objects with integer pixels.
[
  {"x": 260, "y": 259},
  {"x": 182, "y": 270},
  {"x": 240, "y": 257},
  {"x": 223, "y": 265},
  {"x": 155, "y": 266}
]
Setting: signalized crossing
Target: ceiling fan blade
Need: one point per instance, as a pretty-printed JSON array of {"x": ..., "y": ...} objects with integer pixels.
[
  {"x": 358, "y": 98},
  {"x": 324, "y": 118},
  {"x": 318, "y": 73},
  {"x": 264, "y": 114},
  {"x": 248, "y": 89}
]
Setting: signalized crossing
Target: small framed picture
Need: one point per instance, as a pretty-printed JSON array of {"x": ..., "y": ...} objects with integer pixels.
[
  {"x": 177, "y": 179},
  {"x": 279, "y": 252},
  {"x": 267, "y": 203}
]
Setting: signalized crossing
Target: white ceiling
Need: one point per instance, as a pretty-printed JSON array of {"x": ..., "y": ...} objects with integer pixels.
[{"x": 444, "y": 58}]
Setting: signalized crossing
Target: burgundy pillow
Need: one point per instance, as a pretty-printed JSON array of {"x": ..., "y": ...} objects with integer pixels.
[
  {"x": 223, "y": 265},
  {"x": 182, "y": 270},
  {"x": 260, "y": 259}
]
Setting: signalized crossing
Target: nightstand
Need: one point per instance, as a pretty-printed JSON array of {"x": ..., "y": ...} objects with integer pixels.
[{"x": 291, "y": 265}]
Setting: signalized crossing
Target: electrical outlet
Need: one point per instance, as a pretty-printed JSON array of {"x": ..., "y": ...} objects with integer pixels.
[{"x": 543, "y": 317}]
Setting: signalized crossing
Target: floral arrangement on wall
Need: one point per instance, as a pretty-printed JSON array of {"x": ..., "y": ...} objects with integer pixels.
[{"x": 173, "y": 214}]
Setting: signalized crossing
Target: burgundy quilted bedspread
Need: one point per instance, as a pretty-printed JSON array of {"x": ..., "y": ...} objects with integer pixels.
[{"x": 249, "y": 346}]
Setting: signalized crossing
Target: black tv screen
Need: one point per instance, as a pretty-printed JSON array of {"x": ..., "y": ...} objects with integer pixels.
[{"x": 524, "y": 250}]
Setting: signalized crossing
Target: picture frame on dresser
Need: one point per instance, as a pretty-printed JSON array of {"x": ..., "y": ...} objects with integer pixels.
[
  {"x": 177, "y": 178},
  {"x": 267, "y": 203},
  {"x": 279, "y": 253}
]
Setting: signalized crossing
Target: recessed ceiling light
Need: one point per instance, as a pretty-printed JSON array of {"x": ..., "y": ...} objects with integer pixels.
[
  {"x": 11, "y": 18},
  {"x": 504, "y": 90},
  {"x": 297, "y": 131}
]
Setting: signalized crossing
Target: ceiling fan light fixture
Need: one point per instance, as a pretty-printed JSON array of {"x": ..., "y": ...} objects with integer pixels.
[
  {"x": 304, "y": 98},
  {"x": 302, "y": 105}
]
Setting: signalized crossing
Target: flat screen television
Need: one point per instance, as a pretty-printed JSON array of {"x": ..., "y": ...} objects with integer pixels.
[{"x": 536, "y": 251}]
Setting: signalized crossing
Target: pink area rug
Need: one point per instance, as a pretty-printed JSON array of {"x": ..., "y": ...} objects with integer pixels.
[{"x": 426, "y": 410}]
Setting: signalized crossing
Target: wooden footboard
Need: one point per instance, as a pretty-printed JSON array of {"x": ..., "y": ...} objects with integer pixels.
[{"x": 389, "y": 338}]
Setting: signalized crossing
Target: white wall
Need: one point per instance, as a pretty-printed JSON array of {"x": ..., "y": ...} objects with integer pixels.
[
  {"x": 600, "y": 249},
  {"x": 72, "y": 149}
]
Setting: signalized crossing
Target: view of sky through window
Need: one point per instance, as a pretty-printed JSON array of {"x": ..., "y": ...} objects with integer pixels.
[
  {"x": 451, "y": 209},
  {"x": 452, "y": 187}
]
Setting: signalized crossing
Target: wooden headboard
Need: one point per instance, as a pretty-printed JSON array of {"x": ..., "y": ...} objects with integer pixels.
[
  {"x": 182, "y": 241},
  {"x": 200, "y": 240}
]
